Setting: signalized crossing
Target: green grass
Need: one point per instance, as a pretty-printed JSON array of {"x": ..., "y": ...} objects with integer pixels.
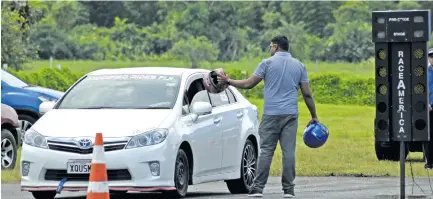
[
  {"x": 349, "y": 149},
  {"x": 364, "y": 68},
  {"x": 14, "y": 175}
]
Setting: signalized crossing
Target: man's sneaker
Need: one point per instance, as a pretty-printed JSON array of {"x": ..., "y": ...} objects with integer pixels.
[
  {"x": 255, "y": 193},
  {"x": 428, "y": 166},
  {"x": 289, "y": 194}
]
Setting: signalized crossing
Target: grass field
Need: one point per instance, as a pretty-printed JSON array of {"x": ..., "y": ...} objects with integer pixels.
[
  {"x": 349, "y": 150},
  {"x": 364, "y": 68}
]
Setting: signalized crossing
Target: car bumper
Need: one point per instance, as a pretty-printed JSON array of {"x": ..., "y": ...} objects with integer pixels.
[{"x": 127, "y": 170}]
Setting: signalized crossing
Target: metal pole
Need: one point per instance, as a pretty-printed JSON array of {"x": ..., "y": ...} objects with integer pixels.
[{"x": 402, "y": 170}]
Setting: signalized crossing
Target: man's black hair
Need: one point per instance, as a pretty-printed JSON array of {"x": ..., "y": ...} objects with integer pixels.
[{"x": 282, "y": 42}]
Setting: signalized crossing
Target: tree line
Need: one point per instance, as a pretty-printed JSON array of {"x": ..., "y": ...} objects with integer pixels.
[{"x": 192, "y": 31}]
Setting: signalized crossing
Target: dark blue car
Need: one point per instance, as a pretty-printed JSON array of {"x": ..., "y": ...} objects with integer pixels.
[{"x": 25, "y": 98}]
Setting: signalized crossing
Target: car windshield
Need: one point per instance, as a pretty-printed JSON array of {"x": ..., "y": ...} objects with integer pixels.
[
  {"x": 130, "y": 91},
  {"x": 12, "y": 80}
]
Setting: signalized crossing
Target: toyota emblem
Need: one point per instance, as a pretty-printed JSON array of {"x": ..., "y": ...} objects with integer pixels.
[{"x": 85, "y": 143}]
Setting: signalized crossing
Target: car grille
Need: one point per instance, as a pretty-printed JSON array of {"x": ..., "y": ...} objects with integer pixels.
[
  {"x": 113, "y": 175},
  {"x": 73, "y": 148}
]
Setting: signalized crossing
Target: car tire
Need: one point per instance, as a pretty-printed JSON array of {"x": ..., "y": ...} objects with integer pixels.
[
  {"x": 24, "y": 120},
  {"x": 181, "y": 176},
  {"x": 388, "y": 151},
  {"x": 248, "y": 171},
  {"x": 44, "y": 194},
  {"x": 8, "y": 149}
]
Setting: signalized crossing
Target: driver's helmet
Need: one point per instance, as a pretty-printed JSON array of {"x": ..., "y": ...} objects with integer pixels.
[
  {"x": 210, "y": 81},
  {"x": 315, "y": 135}
]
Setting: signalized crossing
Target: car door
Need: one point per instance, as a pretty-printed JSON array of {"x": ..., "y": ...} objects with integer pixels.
[
  {"x": 230, "y": 129},
  {"x": 205, "y": 135}
]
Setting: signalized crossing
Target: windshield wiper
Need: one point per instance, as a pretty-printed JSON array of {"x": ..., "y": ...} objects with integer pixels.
[
  {"x": 155, "y": 107},
  {"x": 99, "y": 107}
]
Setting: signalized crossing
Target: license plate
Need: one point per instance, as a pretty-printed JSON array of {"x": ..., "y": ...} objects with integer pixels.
[{"x": 78, "y": 166}]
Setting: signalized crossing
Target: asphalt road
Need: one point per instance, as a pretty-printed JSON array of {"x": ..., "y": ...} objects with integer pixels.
[{"x": 306, "y": 187}]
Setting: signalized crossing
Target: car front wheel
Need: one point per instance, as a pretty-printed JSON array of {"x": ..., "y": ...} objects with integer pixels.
[
  {"x": 181, "y": 176},
  {"x": 8, "y": 150},
  {"x": 248, "y": 171}
]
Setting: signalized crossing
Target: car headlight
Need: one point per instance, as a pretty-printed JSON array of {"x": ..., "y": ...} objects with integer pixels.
[
  {"x": 148, "y": 138},
  {"x": 33, "y": 138},
  {"x": 43, "y": 99}
]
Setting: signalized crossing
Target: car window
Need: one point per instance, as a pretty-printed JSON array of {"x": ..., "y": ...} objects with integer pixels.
[
  {"x": 231, "y": 96},
  {"x": 219, "y": 99},
  {"x": 201, "y": 96},
  {"x": 12, "y": 80},
  {"x": 130, "y": 91}
]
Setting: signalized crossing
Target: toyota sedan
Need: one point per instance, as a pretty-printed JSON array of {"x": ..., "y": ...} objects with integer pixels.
[{"x": 162, "y": 131}]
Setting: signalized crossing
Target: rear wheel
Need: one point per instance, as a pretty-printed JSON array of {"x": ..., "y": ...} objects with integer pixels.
[
  {"x": 181, "y": 176},
  {"x": 388, "y": 151},
  {"x": 8, "y": 150},
  {"x": 248, "y": 171},
  {"x": 44, "y": 194}
]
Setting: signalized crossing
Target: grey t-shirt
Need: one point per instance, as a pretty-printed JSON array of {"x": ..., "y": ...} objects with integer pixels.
[{"x": 282, "y": 75}]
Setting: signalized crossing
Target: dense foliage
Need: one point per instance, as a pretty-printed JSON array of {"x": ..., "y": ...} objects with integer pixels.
[{"x": 190, "y": 31}]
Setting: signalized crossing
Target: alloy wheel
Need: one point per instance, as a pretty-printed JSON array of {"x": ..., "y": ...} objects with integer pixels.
[
  {"x": 24, "y": 125},
  {"x": 249, "y": 165},
  {"x": 181, "y": 173},
  {"x": 7, "y": 153}
]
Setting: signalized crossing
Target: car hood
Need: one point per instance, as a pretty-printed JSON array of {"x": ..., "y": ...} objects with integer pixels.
[
  {"x": 109, "y": 122},
  {"x": 46, "y": 91}
]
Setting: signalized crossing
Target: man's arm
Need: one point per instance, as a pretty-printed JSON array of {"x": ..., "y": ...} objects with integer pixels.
[
  {"x": 252, "y": 81},
  {"x": 249, "y": 83},
  {"x": 308, "y": 98},
  {"x": 306, "y": 93}
]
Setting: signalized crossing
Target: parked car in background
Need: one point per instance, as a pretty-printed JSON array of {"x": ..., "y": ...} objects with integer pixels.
[
  {"x": 11, "y": 137},
  {"x": 25, "y": 98}
]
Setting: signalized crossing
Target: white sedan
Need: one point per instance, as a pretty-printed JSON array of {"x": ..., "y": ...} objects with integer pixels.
[{"x": 162, "y": 131}]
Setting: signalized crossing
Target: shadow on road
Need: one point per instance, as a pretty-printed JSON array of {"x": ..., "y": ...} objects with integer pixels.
[{"x": 155, "y": 195}]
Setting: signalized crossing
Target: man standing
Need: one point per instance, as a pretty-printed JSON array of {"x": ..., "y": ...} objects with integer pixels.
[
  {"x": 282, "y": 75},
  {"x": 428, "y": 146}
]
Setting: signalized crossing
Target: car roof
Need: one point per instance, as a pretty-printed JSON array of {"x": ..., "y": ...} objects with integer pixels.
[{"x": 148, "y": 70}]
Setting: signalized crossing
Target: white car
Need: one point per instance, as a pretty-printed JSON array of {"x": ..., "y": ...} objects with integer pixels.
[{"x": 162, "y": 131}]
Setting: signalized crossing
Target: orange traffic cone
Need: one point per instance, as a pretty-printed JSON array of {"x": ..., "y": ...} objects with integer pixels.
[{"x": 98, "y": 180}]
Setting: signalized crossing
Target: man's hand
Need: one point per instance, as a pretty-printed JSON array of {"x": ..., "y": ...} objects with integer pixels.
[
  {"x": 429, "y": 107},
  {"x": 313, "y": 120},
  {"x": 223, "y": 79}
]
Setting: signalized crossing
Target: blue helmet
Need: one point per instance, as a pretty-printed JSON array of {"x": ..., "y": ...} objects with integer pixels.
[{"x": 315, "y": 135}]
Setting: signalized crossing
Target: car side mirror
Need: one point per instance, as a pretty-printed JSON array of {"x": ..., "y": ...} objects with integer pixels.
[
  {"x": 200, "y": 108},
  {"x": 46, "y": 106}
]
